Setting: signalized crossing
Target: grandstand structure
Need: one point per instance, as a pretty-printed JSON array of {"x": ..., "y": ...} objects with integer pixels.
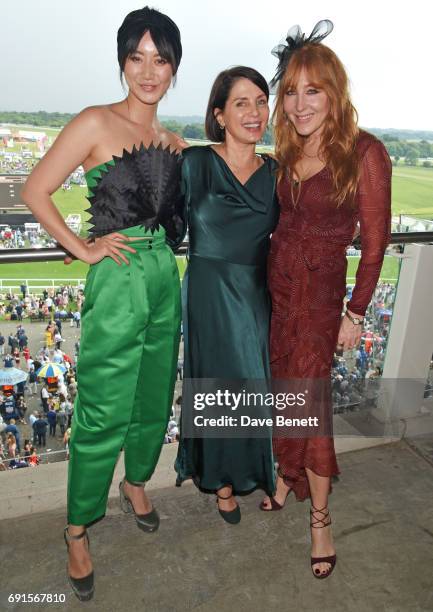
[{"x": 13, "y": 211}]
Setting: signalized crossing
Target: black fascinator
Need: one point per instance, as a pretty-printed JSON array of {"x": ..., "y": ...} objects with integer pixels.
[{"x": 296, "y": 39}]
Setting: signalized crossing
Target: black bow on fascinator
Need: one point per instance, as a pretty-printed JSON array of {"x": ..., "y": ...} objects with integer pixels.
[{"x": 296, "y": 39}]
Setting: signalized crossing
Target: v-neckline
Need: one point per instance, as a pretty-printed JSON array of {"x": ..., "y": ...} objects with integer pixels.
[
  {"x": 231, "y": 171},
  {"x": 310, "y": 177}
]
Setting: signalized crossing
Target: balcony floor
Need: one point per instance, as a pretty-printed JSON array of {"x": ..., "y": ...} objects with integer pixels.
[{"x": 383, "y": 528}]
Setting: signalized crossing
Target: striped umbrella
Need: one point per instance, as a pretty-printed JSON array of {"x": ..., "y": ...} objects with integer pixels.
[
  {"x": 51, "y": 370},
  {"x": 12, "y": 376}
]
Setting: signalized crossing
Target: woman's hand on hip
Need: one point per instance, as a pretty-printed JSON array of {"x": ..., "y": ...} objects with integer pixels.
[
  {"x": 349, "y": 335},
  {"x": 105, "y": 246}
]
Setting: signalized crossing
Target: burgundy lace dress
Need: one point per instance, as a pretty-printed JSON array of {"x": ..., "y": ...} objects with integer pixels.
[{"x": 307, "y": 279}]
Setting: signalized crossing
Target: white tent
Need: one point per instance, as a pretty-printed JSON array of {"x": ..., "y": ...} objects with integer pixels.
[{"x": 28, "y": 135}]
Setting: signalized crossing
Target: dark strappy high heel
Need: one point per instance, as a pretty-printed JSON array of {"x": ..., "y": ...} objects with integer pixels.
[
  {"x": 275, "y": 506},
  {"x": 82, "y": 587},
  {"x": 146, "y": 522},
  {"x": 323, "y": 520},
  {"x": 230, "y": 516}
]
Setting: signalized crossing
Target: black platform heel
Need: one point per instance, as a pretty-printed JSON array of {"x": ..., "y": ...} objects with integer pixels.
[
  {"x": 82, "y": 587},
  {"x": 146, "y": 522},
  {"x": 230, "y": 516}
]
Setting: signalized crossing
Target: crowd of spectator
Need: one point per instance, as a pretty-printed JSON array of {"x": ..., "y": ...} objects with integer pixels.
[
  {"x": 23, "y": 237},
  {"x": 58, "y": 304},
  {"x": 12, "y": 238},
  {"x": 353, "y": 374},
  {"x": 16, "y": 165},
  {"x": 52, "y": 420},
  {"x": 56, "y": 395}
]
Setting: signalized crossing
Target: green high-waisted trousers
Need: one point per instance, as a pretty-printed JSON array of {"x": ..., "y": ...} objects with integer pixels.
[{"x": 126, "y": 372}]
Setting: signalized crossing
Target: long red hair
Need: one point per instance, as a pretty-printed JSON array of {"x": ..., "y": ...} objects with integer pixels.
[{"x": 340, "y": 131}]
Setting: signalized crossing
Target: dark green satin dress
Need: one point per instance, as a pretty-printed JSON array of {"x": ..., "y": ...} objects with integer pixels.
[{"x": 227, "y": 308}]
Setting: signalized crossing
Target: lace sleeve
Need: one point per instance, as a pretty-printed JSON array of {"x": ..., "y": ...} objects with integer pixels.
[{"x": 374, "y": 210}]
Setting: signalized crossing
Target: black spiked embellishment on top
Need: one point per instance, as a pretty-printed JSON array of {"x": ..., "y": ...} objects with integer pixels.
[{"x": 141, "y": 188}]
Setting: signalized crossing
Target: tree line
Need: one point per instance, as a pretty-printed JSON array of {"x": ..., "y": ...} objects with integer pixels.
[
  {"x": 39, "y": 119},
  {"x": 411, "y": 151},
  {"x": 197, "y": 131}
]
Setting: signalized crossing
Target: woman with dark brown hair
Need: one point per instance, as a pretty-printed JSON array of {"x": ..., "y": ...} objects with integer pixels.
[
  {"x": 232, "y": 210},
  {"x": 332, "y": 175}
]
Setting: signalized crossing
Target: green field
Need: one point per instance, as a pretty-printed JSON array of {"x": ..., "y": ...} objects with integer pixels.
[
  {"x": 78, "y": 270},
  {"x": 56, "y": 270},
  {"x": 72, "y": 201},
  {"x": 412, "y": 191},
  {"x": 389, "y": 272}
]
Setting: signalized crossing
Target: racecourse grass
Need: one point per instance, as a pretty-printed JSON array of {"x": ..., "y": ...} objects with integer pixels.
[
  {"x": 78, "y": 270},
  {"x": 412, "y": 191},
  {"x": 73, "y": 201},
  {"x": 389, "y": 272},
  {"x": 57, "y": 269}
]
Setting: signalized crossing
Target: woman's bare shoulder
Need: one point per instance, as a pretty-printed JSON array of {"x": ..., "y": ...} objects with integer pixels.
[
  {"x": 181, "y": 143},
  {"x": 173, "y": 140},
  {"x": 93, "y": 116}
]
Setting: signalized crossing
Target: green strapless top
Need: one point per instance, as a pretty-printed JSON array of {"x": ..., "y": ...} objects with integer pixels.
[{"x": 94, "y": 173}]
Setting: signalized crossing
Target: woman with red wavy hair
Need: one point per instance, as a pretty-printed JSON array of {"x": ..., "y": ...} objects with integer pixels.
[{"x": 332, "y": 176}]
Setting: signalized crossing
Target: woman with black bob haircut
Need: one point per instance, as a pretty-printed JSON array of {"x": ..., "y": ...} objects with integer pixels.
[
  {"x": 232, "y": 210},
  {"x": 163, "y": 31},
  {"x": 131, "y": 315}
]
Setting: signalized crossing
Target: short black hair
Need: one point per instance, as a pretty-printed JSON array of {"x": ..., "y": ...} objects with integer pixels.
[
  {"x": 164, "y": 32},
  {"x": 220, "y": 93}
]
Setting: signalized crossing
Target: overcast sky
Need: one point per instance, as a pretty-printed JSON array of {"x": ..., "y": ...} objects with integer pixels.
[{"x": 60, "y": 55}]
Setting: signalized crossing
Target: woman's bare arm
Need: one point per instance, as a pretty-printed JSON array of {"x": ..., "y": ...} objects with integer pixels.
[{"x": 70, "y": 149}]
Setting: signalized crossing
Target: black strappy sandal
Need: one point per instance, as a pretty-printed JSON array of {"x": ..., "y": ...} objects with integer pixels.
[
  {"x": 230, "y": 516},
  {"x": 146, "y": 522},
  {"x": 82, "y": 587},
  {"x": 319, "y": 523}
]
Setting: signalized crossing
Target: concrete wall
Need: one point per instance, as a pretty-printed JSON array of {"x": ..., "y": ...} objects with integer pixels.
[{"x": 31, "y": 490}]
